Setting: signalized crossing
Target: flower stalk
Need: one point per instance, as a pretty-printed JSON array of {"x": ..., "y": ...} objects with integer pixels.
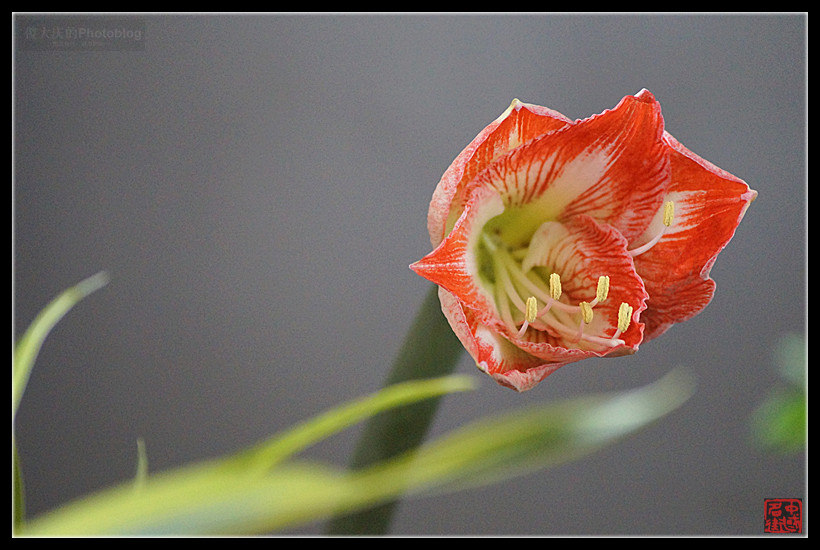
[{"x": 430, "y": 349}]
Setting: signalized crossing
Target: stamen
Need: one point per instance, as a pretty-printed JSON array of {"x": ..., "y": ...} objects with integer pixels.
[
  {"x": 553, "y": 325},
  {"x": 555, "y": 293},
  {"x": 602, "y": 291},
  {"x": 586, "y": 312},
  {"x": 532, "y": 309},
  {"x": 529, "y": 315},
  {"x": 668, "y": 213},
  {"x": 586, "y": 318},
  {"x": 668, "y": 217},
  {"x": 505, "y": 294},
  {"x": 555, "y": 286},
  {"x": 512, "y": 283},
  {"x": 624, "y": 317},
  {"x": 532, "y": 284}
]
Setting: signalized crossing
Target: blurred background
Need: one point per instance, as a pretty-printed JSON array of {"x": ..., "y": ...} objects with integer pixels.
[{"x": 257, "y": 185}]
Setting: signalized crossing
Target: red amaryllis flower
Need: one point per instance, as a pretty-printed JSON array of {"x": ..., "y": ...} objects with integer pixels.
[{"x": 557, "y": 240}]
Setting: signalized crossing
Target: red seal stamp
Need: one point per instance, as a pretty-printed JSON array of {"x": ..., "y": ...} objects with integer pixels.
[{"x": 783, "y": 515}]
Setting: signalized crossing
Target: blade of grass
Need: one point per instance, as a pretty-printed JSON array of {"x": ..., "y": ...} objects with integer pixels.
[
  {"x": 141, "y": 474},
  {"x": 29, "y": 345},
  {"x": 18, "y": 492},
  {"x": 535, "y": 438},
  {"x": 203, "y": 497},
  {"x": 264, "y": 456},
  {"x": 209, "y": 499},
  {"x": 25, "y": 352}
]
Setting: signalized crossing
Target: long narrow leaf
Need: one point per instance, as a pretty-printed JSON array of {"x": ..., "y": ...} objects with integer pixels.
[
  {"x": 29, "y": 345},
  {"x": 18, "y": 510},
  {"x": 212, "y": 498},
  {"x": 141, "y": 473},
  {"x": 189, "y": 499},
  {"x": 25, "y": 352},
  {"x": 512, "y": 444},
  {"x": 430, "y": 349},
  {"x": 264, "y": 456}
]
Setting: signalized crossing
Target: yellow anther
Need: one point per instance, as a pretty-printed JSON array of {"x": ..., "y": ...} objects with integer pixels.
[
  {"x": 532, "y": 309},
  {"x": 668, "y": 213},
  {"x": 555, "y": 286},
  {"x": 603, "y": 288},
  {"x": 586, "y": 312},
  {"x": 668, "y": 216},
  {"x": 624, "y": 316}
]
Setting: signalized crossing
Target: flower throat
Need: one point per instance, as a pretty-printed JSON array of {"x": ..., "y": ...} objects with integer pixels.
[{"x": 529, "y": 299}]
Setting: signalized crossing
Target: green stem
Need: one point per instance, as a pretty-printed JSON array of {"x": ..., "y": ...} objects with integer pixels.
[{"x": 430, "y": 350}]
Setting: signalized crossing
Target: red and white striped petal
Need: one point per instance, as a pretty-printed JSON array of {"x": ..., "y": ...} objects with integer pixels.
[
  {"x": 613, "y": 167},
  {"x": 495, "y": 355},
  {"x": 520, "y": 123},
  {"x": 453, "y": 264},
  {"x": 580, "y": 250},
  {"x": 709, "y": 205},
  {"x": 612, "y": 199}
]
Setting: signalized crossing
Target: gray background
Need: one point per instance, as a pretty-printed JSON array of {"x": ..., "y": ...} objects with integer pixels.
[{"x": 257, "y": 186}]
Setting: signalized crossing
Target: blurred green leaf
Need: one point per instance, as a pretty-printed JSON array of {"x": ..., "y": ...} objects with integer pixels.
[
  {"x": 779, "y": 423},
  {"x": 25, "y": 352},
  {"x": 196, "y": 500},
  {"x": 264, "y": 456},
  {"x": 18, "y": 492},
  {"x": 791, "y": 359},
  {"x": 258, "y": 491},
  {"x": 511, "y": 444},
  {"x": 226, "y": 497},
  {"x": 201, "y": 498},
  {"x": 29, "y": 345},
  {"x": 142, "y": 465}
]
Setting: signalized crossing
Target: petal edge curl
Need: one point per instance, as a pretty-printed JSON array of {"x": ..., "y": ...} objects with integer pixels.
[
  {"x": 520, "y": 123},
  {"x": 709, "y": 204}
]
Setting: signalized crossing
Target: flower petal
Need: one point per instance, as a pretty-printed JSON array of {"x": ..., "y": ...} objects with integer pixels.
[
  {"x": 709, "y": 205},
  {"x": 613, "y": 167},
  {"x": 494, "y": 354},
  {"x": 535, "y": 196},
  {"x": 581, "y": 250},
  {"x": 520, "y": 123},
  {"x": 453, "y": 264}
]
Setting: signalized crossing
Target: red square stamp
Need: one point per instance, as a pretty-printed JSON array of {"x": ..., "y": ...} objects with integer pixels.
[{"x": 783, "y": 515}]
